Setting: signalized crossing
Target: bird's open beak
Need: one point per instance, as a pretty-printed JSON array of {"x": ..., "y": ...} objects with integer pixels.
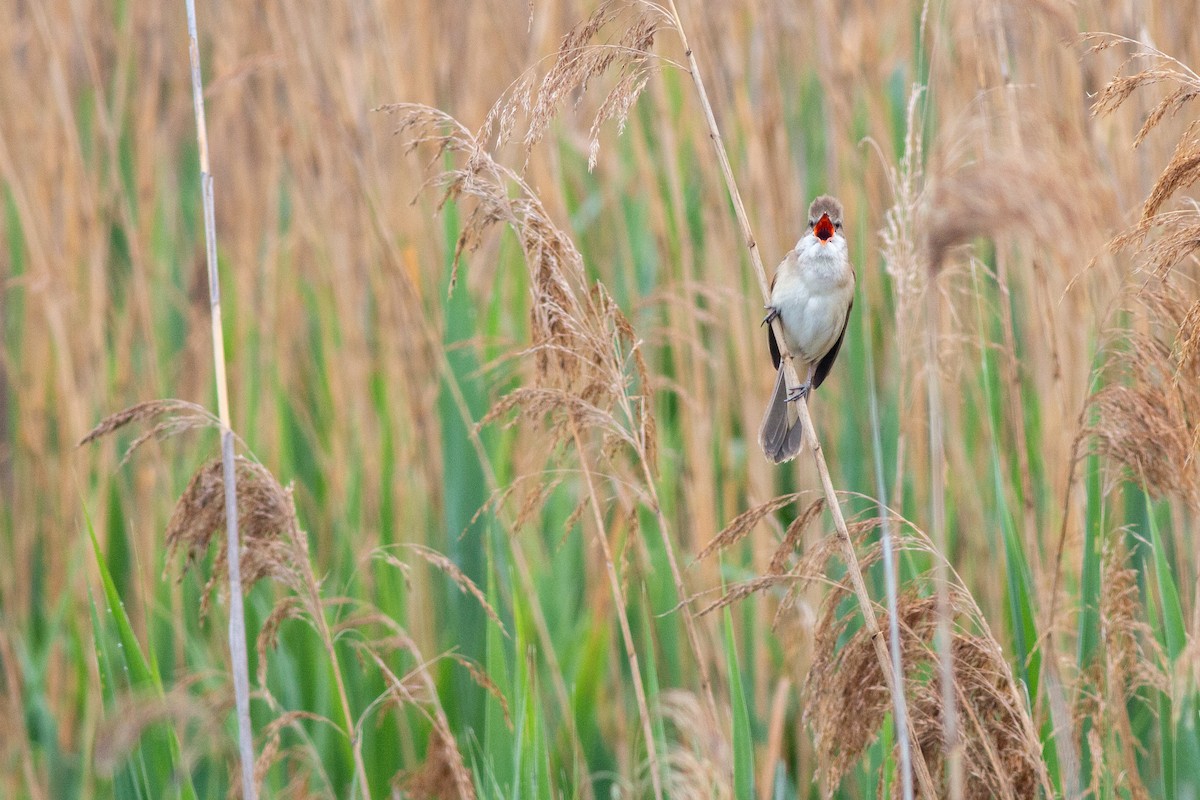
[{"x": 823, "y": 230}]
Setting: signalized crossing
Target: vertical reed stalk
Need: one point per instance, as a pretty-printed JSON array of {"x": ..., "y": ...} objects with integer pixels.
[
  {"x": 943, "y": 637},
  {"x": 894, "y": 682},
  {"x": 237, "y": 618},
  {"x": 891, "y": 579}
]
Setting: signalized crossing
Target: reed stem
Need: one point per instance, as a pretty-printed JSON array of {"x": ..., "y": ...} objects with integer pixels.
[{"x": 237, "y": 615}]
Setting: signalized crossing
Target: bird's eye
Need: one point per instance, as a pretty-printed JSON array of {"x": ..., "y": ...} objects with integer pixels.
[
  {"x": 837, "y": 225},
  {"x": 812, "y": 223}
]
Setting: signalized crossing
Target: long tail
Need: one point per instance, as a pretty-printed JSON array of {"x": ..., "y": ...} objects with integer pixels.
[{"x": 782, "y": 435}]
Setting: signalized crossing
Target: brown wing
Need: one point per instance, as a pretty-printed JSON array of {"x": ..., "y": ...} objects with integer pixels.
[{"x": 826, "y": 363}]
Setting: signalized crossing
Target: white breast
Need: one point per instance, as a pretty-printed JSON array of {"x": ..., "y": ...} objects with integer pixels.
[{"x": 813, "y": 290}]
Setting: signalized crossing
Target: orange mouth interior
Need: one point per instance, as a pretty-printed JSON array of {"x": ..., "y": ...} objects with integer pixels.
[{"x": 824, "y": 228}]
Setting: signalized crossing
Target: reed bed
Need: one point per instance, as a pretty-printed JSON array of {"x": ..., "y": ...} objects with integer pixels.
[{"x": 495, "y": 368}]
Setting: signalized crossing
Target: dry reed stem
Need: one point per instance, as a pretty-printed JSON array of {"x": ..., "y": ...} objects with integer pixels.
[
  {"x": 899, "y": 251},
  {"x": 937, "y": 493},
  {"x": 923, "y": 777},
  {"x": 237, "y": 614}
]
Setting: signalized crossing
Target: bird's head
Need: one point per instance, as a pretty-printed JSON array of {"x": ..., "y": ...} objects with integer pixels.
[{"x": 825, "y": 218}]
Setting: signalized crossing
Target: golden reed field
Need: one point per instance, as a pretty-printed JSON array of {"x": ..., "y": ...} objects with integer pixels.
[{"x": 490, "y": 313}]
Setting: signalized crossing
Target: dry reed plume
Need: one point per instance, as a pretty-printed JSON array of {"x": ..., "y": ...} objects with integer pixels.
[
  {"x": 1147, "y": 417},
  {"x": 1144, "y": 420},
  {"x": 1179, "y": 230},
  {"x": 617, "y": 36},
  {"x": 847, "y": 699},
  {"x": 699, "y": 762},
  {"x": 275, "y": 546},
  {"x": 585, "y": 350}
]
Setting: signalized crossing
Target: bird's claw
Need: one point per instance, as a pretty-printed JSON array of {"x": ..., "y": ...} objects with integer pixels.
[
  {"x": 799, "y": 393},
  {"x": 772, "y": 315}
]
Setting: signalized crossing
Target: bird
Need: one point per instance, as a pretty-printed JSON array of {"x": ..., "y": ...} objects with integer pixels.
[{"x": 811, "y": 296}]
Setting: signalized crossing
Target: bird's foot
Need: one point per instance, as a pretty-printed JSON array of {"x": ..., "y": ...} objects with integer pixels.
[
  {"x": 772, "y": 315},
  {"x": 799, "y": 393}
]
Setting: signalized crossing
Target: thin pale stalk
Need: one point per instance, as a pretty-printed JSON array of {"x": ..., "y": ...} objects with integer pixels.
[
  {"x": 943, "y": 636},
  {"x": 614, "y": 582},
  {"x": 237, "y": 617},
  {"x": 849, "y": 556},
  {"x": 891, "y": 581}
]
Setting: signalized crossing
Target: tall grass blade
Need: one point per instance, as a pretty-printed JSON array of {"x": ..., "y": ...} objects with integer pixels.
[
  {"x": 1174, "y": 632},
  {"x": 155, "y": 768},
  {"x": 741, "y": 735}
]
